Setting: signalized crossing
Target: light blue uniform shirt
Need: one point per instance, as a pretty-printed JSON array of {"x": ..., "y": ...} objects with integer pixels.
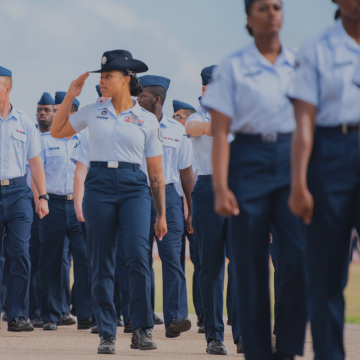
[
  {"x": 324, "y": 74},
  {"x": 177, "y": 149},
  {"x": 59, "y": 169},
  {"x": 356, "y": 78},
  {"x": 251, "y": 91},
  {"x": 125, "y": 137},
  {"x": 201, "y": 144},
  {"x": 81, "y": 152},
  {"x": 19, "y": 142}
]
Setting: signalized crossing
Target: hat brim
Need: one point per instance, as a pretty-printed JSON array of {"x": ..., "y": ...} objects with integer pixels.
[{"x": 134, "y": 65}]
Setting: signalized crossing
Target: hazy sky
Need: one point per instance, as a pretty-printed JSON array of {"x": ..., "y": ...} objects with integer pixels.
[{"x": 48, "y": 43}]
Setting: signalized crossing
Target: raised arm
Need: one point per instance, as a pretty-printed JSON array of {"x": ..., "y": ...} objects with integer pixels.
[
  {"x": 61, "y": 126},
  {"x": 301, "y": 202},
  {"x": 198, "y": 128},
  {"x": 225, "y": 201},
  {"x": 157, "y": 186}
]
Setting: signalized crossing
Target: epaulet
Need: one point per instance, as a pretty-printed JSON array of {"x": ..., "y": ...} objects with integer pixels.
[{"x": 20, "y": 111}]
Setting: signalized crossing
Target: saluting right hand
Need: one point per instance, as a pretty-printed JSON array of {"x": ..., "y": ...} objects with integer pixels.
[
  {"x": 160, "y": 227},
  {"x": 301, "y": 203},
  {"x": 225, "y": 203},
  {"x": 77, "y": 85}
]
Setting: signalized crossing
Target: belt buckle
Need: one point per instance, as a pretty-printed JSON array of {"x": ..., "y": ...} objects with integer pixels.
[
  {"x": 4, "y": 182},
  {"x": 69, "y": 197},
  {"x": 269, "y": 138},
  {"x": 113, "y": 164},
  {"x": 344, "y": 129}
]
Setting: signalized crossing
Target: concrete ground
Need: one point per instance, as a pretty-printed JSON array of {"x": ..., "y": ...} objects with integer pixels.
[{"x": 69, "y": 343}]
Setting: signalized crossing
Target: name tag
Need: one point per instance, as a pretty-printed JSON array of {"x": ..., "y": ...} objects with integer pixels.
[
  {"x": 102, "y": 117},
  {"x": 55, "y": 148}
]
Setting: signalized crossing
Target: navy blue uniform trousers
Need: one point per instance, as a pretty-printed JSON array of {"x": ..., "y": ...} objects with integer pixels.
[
  {"x": 194, "y": 257},
  {"x": 259, "y": 176},
  {"x": 34, "y": 295},
  {"x": 211, "y": 232},
  {"x": 16, "y": 216},
  {"x": 334, "y": 182},
  {"x": 122, "y": 279},
  {"x": 66, "y": 266},
  {"x": 118, "y": 198},
  {"x": 174, "y": 281},
  {"x": 60, "y": 222}
]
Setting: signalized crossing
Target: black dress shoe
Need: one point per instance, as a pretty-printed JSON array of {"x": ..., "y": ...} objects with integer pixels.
[
  {"x": 177, "y": 326},
  {"x": 157, "y": 320},
  {"x": 229, "y": 321},
  {"x": 84, "y": 324},
  {"x": 216, "y": 347},
  {"x": 66, "y": 320},
  {"x": 50, "y": 326},
  {"x": 37, "y": 323},
  {"x": 107, "y": 345},
  {"x": 200, "y": 320},
  {"x": 119, "y": 322},
  {"x": 94, "y": 330},
  {"x": 278, "y": 356},
  {"x": 20, "y": 324},
  {"x": 128, "y": 328},
  {"x": 201, "y": 329},
  {"x": 239, "y": 346},
  {"x": 148, "y": 333},
  {"x": 141, "y": 340}
]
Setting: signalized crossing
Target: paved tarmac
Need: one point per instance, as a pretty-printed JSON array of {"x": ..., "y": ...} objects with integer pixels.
[{"x": 70, "y": 343}]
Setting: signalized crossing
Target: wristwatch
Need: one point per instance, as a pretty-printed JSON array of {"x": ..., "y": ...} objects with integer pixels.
[{"x": 45, "y": 197}]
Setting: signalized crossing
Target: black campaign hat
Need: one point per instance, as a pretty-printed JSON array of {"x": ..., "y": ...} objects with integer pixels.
[{"x": 120, "y": 60}]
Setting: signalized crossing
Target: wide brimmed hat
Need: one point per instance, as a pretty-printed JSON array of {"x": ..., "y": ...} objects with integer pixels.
[{"x": 120, "y": 60}]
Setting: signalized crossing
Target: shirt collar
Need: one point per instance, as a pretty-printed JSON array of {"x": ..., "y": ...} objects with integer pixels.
[
  {"x": 338, "y": 37},
  {"x": 13, "y": 114},
  {"x": 164, "y": 121},
  {"x": 108, "y": 105},
  {"x": 252, "y": 56}
]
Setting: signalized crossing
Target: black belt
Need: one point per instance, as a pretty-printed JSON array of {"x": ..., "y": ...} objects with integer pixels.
[
  {"x": 204, "y": 178},
  {"x": 340, "y": 129},
  {"x": 14, "y": 181},
  {"x": 264, "y": 138},
  {"x": 114, "y": 165},
  {"x": 169, "y": 186},
  {"x": 61, "y": 197}
]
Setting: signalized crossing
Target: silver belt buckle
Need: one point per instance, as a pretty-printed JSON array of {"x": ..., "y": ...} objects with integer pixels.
[
  {"x": 4, "y": 182},
  {"x": 69, "y": 197},
  {"x": 269, "y": 138},
  {"x": 113, "y": 164}
]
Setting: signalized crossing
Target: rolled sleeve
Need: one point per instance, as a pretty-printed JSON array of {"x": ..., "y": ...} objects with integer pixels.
[
  {"x": 185, "y": 154},
  {"x": 220, "y": 94},
  {"x": 153, "y": 142},
  {"x": 78, "y": 120},
  {"x": 304, "y": 84}
]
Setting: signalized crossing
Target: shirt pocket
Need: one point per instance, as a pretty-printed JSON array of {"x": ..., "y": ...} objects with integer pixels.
[
  {"x": 19, "y": 136},
  {"x": 52, "y": 153},
  {"x": 171, "y": 143}
]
